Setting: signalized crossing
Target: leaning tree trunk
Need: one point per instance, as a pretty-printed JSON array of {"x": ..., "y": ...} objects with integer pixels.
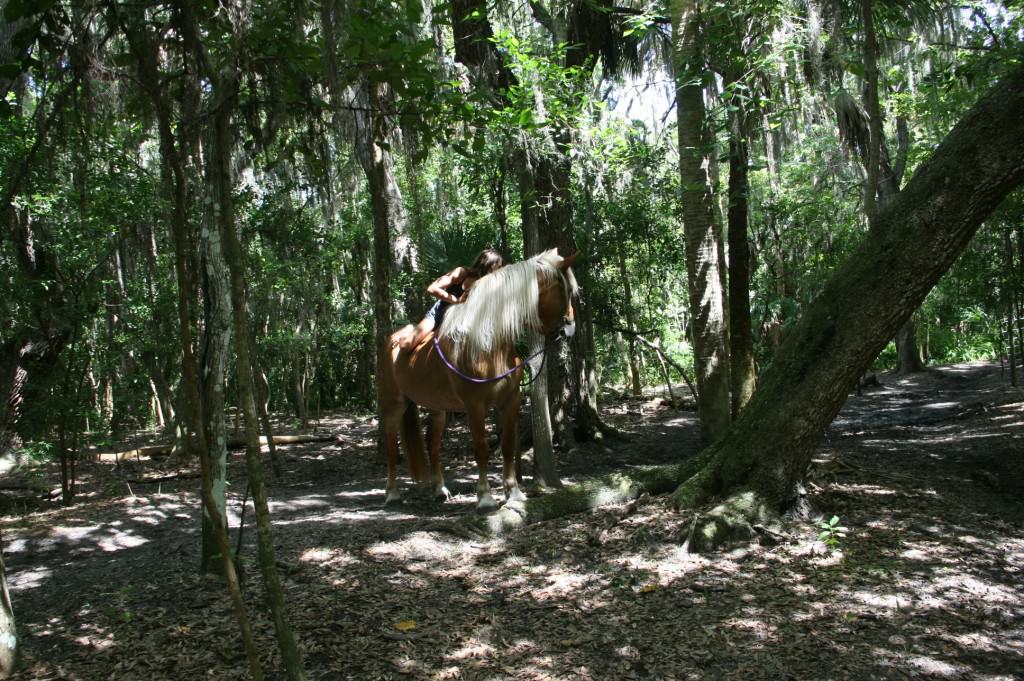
[
  {"x": 760, "y": 464},
  {"x": 704, "y": 261}
]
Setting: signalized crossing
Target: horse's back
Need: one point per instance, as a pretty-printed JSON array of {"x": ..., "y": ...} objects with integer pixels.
[{"x": 421, "y": 376}]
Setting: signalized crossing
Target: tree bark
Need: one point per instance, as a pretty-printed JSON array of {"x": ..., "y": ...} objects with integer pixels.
[
  {"x": 741, "y": 332},
  {"x": 1010, "y": 297},
  {"x": 545, "y": 461},
  {"x": 172, "y": 170},
  {"x": 704, "y": 247},
  {"x": 762, "y": 461},
  {"x": 223, "y": 144},
  {"x": 217, "y": 338},
  {"x": 874, "y": 112},
  {"x": 9, "y": 645}
]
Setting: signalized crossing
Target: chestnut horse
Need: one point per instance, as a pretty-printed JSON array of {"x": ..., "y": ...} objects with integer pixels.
[{"x": 471, "y": 367}]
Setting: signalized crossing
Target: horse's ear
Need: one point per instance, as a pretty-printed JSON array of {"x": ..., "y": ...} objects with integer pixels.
[{"x": 568, "y": 261}]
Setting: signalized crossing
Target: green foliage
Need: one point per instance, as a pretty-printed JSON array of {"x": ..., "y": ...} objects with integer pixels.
[
  {"x": 831, "y": 532},
  {"x": 37, "y": 452}
]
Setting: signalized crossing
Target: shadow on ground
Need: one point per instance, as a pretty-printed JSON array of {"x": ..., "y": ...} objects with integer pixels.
[{"x": 924, "y": 471}]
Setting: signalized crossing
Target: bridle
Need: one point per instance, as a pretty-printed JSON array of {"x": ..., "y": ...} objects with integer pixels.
[{"x": 567, "y": 329}]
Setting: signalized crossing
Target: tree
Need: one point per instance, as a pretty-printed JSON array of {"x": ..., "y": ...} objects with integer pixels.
[
  {"x": 705, "y": 256},
  {"x": 758, "y": 467}
]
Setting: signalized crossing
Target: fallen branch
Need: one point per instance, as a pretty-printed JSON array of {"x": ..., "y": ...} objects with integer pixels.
[
  {"x": 189, "y": 475},
  {"x": 235, "y": 442}
]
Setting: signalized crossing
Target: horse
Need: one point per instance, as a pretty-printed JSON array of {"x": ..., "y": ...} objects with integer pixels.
[{"x": 470, "y": 365}]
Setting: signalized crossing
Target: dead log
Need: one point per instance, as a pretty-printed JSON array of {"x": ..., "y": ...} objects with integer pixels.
[{"x": 235, "y": 442}]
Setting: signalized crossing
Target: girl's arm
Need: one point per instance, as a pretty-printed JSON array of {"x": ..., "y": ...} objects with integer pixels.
[{"x": 437, "y": 289}]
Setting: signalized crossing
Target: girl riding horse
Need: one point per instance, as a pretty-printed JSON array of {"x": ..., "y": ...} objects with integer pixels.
[{"x": 449, "y": 289}]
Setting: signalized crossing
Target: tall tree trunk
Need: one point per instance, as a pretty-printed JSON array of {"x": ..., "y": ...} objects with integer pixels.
[
  {"x": 874, "y": 112},
  {"x": 627, "y": 306},
  {"x": 217, "y": 338},
  {"x": 1010, "y": 297},
  {"x": 760, "y": 464},
  {"x": 33, "y": 349},
  {"x": 373, "y": 149},
  {"x": 223, "y": 146},
  {"x": 545, "y": 461},
  {"x": 9, "y": 644},
  {"x": 741, "y": 331},
  {"x": 704, "y": 247},
  {"x": 475, "y": 48},
  {"x": 172, "y": 171}
]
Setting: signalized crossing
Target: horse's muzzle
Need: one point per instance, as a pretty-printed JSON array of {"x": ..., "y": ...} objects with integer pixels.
[{"x": 569, "y": 328}]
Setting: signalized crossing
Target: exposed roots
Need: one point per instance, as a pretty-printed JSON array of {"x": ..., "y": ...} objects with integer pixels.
[
  {"x": 734, "y": 520},
  {"x": 615, "y": 488}
]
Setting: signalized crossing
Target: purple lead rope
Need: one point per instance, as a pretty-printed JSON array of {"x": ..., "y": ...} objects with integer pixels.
[{"x": 455, "y": 369}]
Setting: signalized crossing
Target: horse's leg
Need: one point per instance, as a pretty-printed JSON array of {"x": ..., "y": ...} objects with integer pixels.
[
  {"x": 437, "y": 423},
  {"x": 510, "y": 449},
  {"x": 478, "y": 429},
  {"x": 391, "y": 416}
]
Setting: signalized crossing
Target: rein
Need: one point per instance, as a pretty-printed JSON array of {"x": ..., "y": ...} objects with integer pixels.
[{"x": 474, "y": 379}]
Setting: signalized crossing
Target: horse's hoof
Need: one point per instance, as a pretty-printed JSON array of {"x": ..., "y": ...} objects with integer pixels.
[
  {"x": 516, "y": 496},
  {"x": 392, "y": 498},
  {"x": 443, "y": 494},
  {"x": 486, "y": 506}
]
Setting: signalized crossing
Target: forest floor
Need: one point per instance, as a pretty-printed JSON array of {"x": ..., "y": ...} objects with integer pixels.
[{"x": 926, "y": 472}]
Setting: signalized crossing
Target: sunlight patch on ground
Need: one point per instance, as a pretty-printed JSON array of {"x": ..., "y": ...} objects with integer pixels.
[
  {"x": 299, "y": 503},
  {"x": 941, "y": 405},
  {"x": 759, "y": 628},
  {"x": 563, "y": 584},
  {"x": 73, "y": 534},
  {"x": 978, "y": 590},
  {"x": 930, "y": 665},
  {"x": 323, "y": 556},
  {"x": 418, "y": 546},
  {"x": 120, "y": 541},
  {"x": 864, "y": 489},
  {"x": 925, "y": 551},
  {"x": 28, "y": 579},
  {"x": 475, "y": 647},
  {"x": 894, "y": 601}
]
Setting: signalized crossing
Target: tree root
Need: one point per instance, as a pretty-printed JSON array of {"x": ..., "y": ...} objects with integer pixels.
[
  {"x": 615, "y": 488},
  {"x": 734, "y": 520}
]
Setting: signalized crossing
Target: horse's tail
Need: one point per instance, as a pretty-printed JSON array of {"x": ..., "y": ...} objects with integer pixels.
[{"x": 412, "y": 442}]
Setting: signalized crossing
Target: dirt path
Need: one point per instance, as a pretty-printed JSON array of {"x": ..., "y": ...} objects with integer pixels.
[{"x": 926, "y": 472}]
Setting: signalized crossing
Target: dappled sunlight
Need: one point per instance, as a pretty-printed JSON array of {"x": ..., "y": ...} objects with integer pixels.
[
  {"x": 328, "y": 557},
  {"x": 418, "y": 546},
  {"x": 31, "y": 578},
  {"x": 926, "y": 584},
  {"x": 940, "y": 668}
]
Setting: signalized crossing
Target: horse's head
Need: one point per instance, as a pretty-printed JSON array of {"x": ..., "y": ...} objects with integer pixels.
[
  {"x": 532, "y": 294},
  {"x": 554, "y": 302}
]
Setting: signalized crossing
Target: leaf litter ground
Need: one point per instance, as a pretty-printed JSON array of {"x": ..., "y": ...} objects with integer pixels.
[{"x": 925, "y": 471}]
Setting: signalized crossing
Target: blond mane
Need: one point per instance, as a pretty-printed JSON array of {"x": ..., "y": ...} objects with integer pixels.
[{"x": 500, "y": 306}]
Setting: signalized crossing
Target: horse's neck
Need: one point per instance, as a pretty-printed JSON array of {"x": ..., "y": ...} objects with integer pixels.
[{"x": 491, "y": 362}]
